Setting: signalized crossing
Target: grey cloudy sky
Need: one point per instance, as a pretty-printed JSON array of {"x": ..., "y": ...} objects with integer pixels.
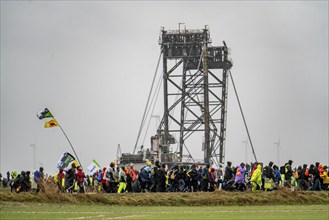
[{"x": 92, "y": 62}]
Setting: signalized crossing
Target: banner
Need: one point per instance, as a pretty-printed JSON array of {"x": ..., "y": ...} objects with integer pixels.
[
  {"x": 93, "y": 167},
  {"x": 65, "y": 161}
]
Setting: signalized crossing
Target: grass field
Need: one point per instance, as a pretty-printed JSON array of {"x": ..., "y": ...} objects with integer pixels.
[
  {"x": 217, "y": 198},
  {"x": 15, "y": 210},
  {"x": 276, "y": 205}
]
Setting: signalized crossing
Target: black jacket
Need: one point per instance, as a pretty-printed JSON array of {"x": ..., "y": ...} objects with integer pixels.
[{"x": 228, "y": 173}]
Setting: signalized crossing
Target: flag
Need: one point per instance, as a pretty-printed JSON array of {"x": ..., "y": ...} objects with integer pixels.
[
  {"x": 65, "y": 161},
  {"x": 93, "y": 167},
  {"x": 51, "y": 123},
  {"x": 45, "y": 113}
]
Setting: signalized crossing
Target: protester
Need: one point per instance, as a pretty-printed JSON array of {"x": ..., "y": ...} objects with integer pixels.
[
  {"x": 324, "y": 176},
  {"x": 110, "y": 177},
  {"x": 129, "y": 175},
  {"x": 212, "y": 180},
  {"x": 59, "y": 179},
  {"x": 239, "y": 177},
  {"x": 8, "y": 176},
  {"x": 155, "y": 176},
  {"x": 26, "y": 182},
  {"x": 229, "y": 173},
  {"x": 161, "y": 179},
  {"x": 122, "y": 180},
  {"x": 288, "y": 173},
  {"x": 39, "y": 179},
  {"x": 277, "y": 175},
  {"x": 182, "y": 178},
  {"x": 80, "y": 178},
  {"x": 15, "y": 184},
  {"x": 70, "y": 179},
  {"x": 96, "y": 181},
  {"x": 104, "y": 181},
  {"x": 316, "y": 177},
  {"x": 13, "y": 175},
  {"x": 256, "y": 178},
  {"x": 145, "y": 177},
  {"x": 205, "y": 178},
  {"x": 303, "y": 177},
  {"x": 268, "y": 174},
  {"x": 193, "y": 177},
  {"x": 220, "y": 176}
]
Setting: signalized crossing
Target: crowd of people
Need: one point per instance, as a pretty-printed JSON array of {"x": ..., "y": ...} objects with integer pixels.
[
  {"x": 25, "y": 181},
  {"x": 162, "y": 177}
]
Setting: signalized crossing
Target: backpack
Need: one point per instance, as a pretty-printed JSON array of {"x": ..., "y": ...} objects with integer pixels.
[
  {"x": 204, "y": 174},
  {"x": 282, "y": 170},
  {"x": 266, "y": 171},
  {"x": 228, "y": 174},
  {"x": 144, "y": 175},
  {"x": 109, "y": 175},
  {"x": 36, "y": 176},
  {"x": 99, "y": 177},
  {"x": 307, "y": 172}
]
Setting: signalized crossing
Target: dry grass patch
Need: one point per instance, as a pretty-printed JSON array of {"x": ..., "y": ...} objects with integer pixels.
[{"x": 278, "y": 197}]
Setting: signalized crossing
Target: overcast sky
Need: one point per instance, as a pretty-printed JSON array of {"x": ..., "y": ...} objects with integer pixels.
[{"x": 92, "y": 62}]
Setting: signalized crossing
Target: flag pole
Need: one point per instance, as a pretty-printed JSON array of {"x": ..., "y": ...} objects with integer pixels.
[
  {"x": 45, "y": 113},
  {"x": 69, "y": 143}
]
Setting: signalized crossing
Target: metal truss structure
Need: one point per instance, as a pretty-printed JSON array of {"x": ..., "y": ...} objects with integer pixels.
[{"x": 195, "y": 82}]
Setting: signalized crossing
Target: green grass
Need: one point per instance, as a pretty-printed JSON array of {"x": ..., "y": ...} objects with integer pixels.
[
  {"x": 23, "y": 210},
  {"x": 276, "y": 205}
]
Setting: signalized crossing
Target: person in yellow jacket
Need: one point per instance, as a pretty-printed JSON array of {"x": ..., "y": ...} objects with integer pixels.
[
  {"x": 325, "y": 178},
  {"x": 256, "y": 178},
  {"x": 122, "y": 179},
  {"x": 58, "y": 178}
]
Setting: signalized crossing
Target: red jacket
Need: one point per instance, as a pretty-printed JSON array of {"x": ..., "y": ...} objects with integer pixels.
[
  {"x": 80, "y": 176},
  {"x": 103, "y": 181}
]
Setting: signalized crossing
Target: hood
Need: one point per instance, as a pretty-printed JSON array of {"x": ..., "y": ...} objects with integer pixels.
[{"x": 147, "y": 168}]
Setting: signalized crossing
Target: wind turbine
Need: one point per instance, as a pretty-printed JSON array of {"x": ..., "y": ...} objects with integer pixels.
[
  {"x": 246, "y": 143},
  {"x": 278, "y": 148},
  {"x": 34, "y": 145},
  {"x": 34, "y": 163},
  {"x": 119, "y": 153}
]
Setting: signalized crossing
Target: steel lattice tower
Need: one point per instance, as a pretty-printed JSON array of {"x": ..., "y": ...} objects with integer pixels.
[{"x": 192, "y": 84}]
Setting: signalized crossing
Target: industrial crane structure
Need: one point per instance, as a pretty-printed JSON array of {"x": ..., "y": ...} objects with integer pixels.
[{"x": 195, "y": 76}]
